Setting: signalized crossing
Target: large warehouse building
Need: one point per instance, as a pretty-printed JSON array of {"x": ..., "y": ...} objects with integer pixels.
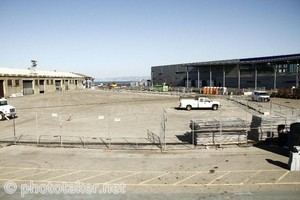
[
  {"x": 271, "y": 72},
  {"x": 30, "y": 81}
]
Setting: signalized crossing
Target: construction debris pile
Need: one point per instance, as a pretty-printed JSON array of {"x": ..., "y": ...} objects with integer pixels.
[
  {"x": 232, "y": 130},
  {"x": 288, "y": 93},
  {"x": 263, "y": 127}
]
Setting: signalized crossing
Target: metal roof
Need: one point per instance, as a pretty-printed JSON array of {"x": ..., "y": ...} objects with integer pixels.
[
  {"x": 266, "y": 59},
  {"x": 28, "y": 72},
  {"x": 271, "y": 58}
]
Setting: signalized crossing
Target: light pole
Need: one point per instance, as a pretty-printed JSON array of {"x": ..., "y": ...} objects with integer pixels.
[
  {"x": 297, "y": 76},
  {"x": 224, "y": 77},
  {"x": 198, "y": 78},
  {"x": 187, "y": 77},
  {"x": 151, "y": 79},
  {"x": 275, "y": 75},
  {"x": 210, "y": 77},
  {"x": 255, "y": 78}
]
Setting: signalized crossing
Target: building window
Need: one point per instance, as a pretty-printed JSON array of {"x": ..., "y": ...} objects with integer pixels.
[
  {"x": 293, "y": 68},
  {"x": 282, "y": 68},
  {"x": 17, "y": 82},
  {"x": 36, "y": 82},
  {"x": 51, "y": 82},
  {"x": 9, "y": 83},
  {"x": 293, "y": 81},
  {"x": 253, "y": 81},
  {"x": 47, "y": 82}
]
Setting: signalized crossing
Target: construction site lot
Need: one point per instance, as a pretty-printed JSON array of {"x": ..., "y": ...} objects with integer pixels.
[
  {"x": 124, "y": 119},
  {"x": 116, "y": 135}
]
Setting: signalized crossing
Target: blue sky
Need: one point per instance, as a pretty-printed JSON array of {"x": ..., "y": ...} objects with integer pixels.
[{"x": 114, "y": 38}]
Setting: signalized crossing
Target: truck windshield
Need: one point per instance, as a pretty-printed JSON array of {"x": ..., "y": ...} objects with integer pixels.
[{"x": 3, "y": 103}]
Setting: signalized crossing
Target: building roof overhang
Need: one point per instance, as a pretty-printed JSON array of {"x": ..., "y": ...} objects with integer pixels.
[
  {"x": 39, "y": 73},
  {"x": 292, "y": 58}
]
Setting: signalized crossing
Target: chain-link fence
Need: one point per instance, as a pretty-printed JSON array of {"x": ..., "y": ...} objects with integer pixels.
[
  {"x": 268, "y": 108},
  {"x": 168, "y": 129},
  {"x": 269, "y": 120},
  {"x": 106, "y": 129}
]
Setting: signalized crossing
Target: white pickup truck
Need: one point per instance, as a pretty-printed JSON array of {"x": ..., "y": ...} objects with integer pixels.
[
  {"x": 6, "y": 111},
  {"x": 199, "y": 102}
]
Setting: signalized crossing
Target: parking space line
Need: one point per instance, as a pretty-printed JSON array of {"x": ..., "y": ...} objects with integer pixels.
[
  {"x": 62, "y": 175},
  {"x": 56, "y": 169},
  {"x": 159, "y": 184},
  {"x": 281, "y": 177},
  {"x": 81, "y": 180},
  {"x": 24, "y": 168},
  {"x": 19, "y": 170},
  {"x": 187, "y": 178},
  {"x": 93, "y": 170},
  {"x": 210, "y": 183},
  {"x": 18, "y": 178},
  {"x": 287, "y": 183},
  {"x": 264, "y": 184},
  {"x": 67, "y": 172},
  {"x": 271, "y": 170},
  {"x": 122, "y": 177},
  {"x": 206, "y": 184},
  {"x": 247, "y": 179},
  {"x": 253, "y": 170},
  {"x": 153, "y": 178}
]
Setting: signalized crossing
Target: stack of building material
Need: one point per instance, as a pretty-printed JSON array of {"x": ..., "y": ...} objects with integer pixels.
[
  {"x": 263, "y": 127},
  {"x": 225, "y": 131}
]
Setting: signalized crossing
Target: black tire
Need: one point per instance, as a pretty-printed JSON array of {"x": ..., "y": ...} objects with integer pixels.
[
  {"x": 1, "y": 116},
  {"x": 188, "y": 107},
  {"x": 215, "y": 107}
]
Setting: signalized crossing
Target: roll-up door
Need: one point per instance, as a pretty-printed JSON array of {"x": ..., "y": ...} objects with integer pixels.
[
  {"x": 27, "y": 87},
  {"x": 58, "y": 85},
  {"x": 42, "y": 87}
]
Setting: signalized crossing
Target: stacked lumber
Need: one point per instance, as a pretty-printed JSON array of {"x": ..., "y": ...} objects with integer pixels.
[
  {"x": 231, "y": 130},
  {"x": 263, "y": 127}
]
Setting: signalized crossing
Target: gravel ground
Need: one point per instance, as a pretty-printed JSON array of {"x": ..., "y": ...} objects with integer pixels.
[
  {"x": 249, "y": 172},
  {"x": 115, "y": 114}
]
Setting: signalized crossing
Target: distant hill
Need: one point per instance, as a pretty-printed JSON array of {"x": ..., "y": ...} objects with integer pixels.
[{"x": 124, "y": 78}]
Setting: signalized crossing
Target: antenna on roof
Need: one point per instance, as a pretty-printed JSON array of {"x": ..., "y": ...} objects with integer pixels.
[{"x": 33, "y": 66}]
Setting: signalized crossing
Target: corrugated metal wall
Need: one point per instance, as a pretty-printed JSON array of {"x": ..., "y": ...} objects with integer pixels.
[{"x": 177, "y": 76}]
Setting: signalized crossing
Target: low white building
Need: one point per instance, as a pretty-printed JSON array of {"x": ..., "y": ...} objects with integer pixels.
[{"x": 29, "y": 81}]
